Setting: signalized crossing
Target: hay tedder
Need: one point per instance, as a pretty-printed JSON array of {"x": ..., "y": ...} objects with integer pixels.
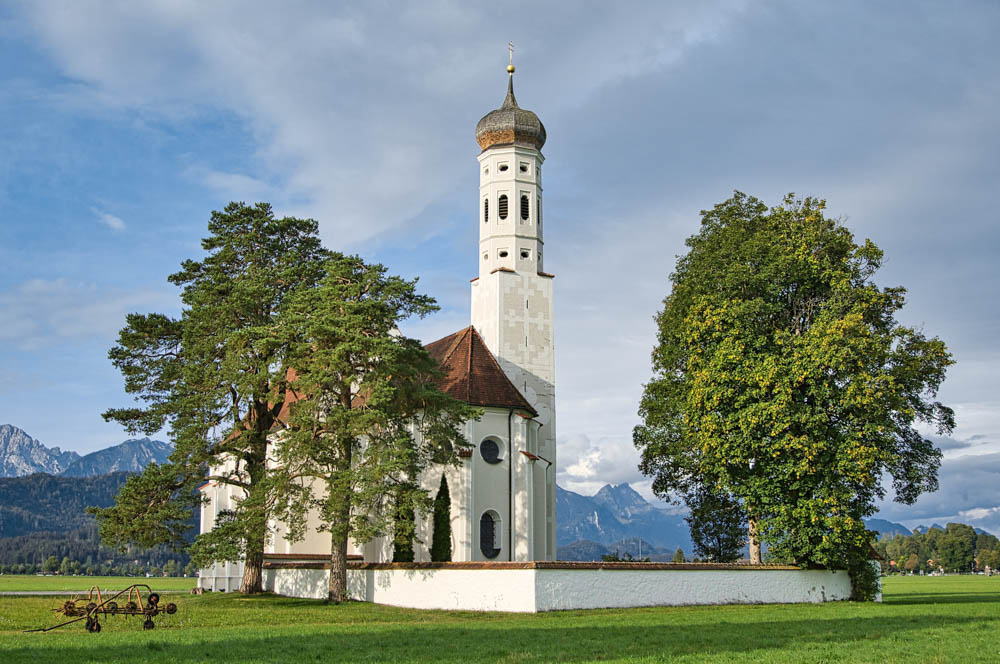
[{"x": 94, "y": 607}]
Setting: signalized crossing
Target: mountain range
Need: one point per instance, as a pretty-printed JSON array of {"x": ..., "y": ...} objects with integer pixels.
[
  {"x": 22, "y": 455},
  {"x": 618, "y": 520}
]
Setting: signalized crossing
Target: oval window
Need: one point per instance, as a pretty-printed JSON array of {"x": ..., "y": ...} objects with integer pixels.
[
  {"x": 486, "y": 210},
  {"x": 503, "y": 206},
  {"x": 489, "y": 449},
  {"x": 525, "y": 207}
]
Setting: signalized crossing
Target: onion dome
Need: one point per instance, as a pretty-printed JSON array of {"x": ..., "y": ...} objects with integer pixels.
[{"x": 510, "y": 124}]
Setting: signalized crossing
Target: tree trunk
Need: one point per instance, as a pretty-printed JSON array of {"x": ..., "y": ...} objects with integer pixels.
[
  {"x": 338, "y": 571},
  {"x": 253, "y": 567},
  {"x": 754, "y": 542},
  {"x": 339, "y": 533}
]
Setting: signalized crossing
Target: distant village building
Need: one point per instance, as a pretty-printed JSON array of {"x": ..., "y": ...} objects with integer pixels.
[{"x": 503, "y": 492}]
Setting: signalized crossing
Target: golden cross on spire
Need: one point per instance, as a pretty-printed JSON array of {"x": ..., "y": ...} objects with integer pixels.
[{"x": 510, "y": 66}]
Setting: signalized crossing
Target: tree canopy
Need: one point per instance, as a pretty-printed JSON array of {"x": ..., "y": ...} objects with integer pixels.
[
  {"x": 366, "y": 417},
  {"x": 215, "y": 378},
  {"x": 782, "y": 376}
]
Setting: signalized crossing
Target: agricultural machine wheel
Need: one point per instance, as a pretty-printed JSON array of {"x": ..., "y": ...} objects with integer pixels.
[
  {"x": 91, "y": 606},
  {"x": 131, "y": 606},
  {"x": 69, "y": 607},
  {"x": 94, "y": 627},
  {"x": 171, "y": 608},
  {"x": 111, "y": 607},
  {"x": 154, "y": 598},
  {"x": 148, "y": 624}
]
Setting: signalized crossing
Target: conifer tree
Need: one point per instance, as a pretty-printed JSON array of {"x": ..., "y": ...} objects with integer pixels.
[
  {"x": 441, "y": 539},
  {"x": 403, "y": 532},
  {"x": 367, "y": 417},
  {"x": 679, "y": 556},
  {"x": 215, "y": 377}
]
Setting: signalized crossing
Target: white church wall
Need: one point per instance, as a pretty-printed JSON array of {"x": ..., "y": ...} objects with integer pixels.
[
  {"x": 558, "y": 589},
  {"x": 536, "y": 589}
]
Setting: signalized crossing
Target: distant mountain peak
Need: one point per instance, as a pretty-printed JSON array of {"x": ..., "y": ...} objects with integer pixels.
[
  {"x": 131, "y": 456},
  {"x": 20, "y": 454}
]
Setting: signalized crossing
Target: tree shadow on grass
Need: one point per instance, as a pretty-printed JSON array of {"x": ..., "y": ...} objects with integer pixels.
[{"x": 609, "y": 637}]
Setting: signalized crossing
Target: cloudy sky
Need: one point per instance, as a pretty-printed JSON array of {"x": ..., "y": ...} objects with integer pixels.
[{"x": 122, "y": 125}]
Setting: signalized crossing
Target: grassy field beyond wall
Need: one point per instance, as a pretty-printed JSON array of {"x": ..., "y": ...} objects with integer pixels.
[{"x": 946, "y": 619}]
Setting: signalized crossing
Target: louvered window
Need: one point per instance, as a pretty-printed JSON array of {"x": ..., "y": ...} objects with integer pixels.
[
  {"x": 525, "y": 207},
  {"x": 486, "y": 210},
  {"x": 503, "y": 206}
]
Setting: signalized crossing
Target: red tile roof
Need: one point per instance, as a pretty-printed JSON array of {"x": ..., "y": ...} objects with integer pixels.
[{"x": 471, "y": 373}]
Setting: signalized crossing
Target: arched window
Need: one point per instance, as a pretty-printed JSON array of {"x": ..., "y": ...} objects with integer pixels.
[
  {"x": 503, "y": 206},
  {"x": 489, "y": 534},
  {"x": 486, "y": 210},
  {"x": 490, "y": 450},
  {"x": 525, "y": 207}
]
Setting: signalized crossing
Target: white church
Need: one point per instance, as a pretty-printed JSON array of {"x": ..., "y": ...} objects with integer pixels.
[
  {"x": 503, "y": 505},
  {"x": 503, "y": 492}
]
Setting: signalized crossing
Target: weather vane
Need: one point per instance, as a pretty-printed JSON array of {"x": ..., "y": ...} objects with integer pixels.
[{"x": 510, "y": 48}]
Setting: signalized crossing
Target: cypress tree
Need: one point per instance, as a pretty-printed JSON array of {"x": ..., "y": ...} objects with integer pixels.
[
  {"x": 402, "y": 543},
  {"x": 441, "y": 540}
]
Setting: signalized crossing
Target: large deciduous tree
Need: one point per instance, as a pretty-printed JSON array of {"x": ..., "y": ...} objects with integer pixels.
[
  {"x": 215, "y": 377},
  {"x": 366, "y": 417},
  {"x": 782, "y": 376}
]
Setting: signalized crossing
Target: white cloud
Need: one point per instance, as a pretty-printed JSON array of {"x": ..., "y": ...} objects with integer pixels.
[
  {"x": 357, "y": 115},
  {"x": 109, "y": 220},
  {"x": 39, "y": 313}
]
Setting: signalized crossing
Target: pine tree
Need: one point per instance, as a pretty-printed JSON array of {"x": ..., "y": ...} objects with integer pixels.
[
  {"x": 215, "y": 377},
  {"x": 369, "y": 417},
  {"x": 441, "y": 539},
  {"x": 679, "y": 556}
]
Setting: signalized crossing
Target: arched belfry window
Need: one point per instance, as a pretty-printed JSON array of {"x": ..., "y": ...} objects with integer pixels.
[
  {"x": 486, "y": 210},
  {"x": 525, "y": 207},
  {"x": 489, "y": 534},
  {"x": 503, "y": 206}
]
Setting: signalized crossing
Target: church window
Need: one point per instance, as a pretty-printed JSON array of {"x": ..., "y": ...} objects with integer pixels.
[
  {"x": 502, "y": 253},
  {"x": 489, "y": 534},
  {"x": 524, "y": 167},
  {"x": 503, "y": 206},
  {"x": 486, "y": 255},
  {"x": 525, "y": 207},
  {"x": 503, "y": 167},
  {"x": 538, "y": 215},
  {"x": 489, "y": 449},
  {"x": 526, "y": 253},
  {"x": 486, "y": 210}
]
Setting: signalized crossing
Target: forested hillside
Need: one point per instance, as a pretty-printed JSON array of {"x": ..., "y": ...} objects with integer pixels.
[
  {"x": 955, "y": 548},
  {"x": 43, "y": 522}
]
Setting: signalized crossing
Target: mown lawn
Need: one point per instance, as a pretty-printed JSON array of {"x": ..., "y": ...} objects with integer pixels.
[
  {"x": 948, "y": 619},
  {"x": 27, "y": 582}
]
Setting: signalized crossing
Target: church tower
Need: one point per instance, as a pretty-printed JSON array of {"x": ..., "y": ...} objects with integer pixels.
[{"x": 512, "y": 296}]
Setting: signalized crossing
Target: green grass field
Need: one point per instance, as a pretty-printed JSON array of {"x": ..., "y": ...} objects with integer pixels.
[
  {"x": 947, "y": 619},
  {"x": 21, "y": 582}
]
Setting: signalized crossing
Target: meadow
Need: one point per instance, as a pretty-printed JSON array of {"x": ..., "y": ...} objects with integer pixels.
[
  {"x": 946, "y": 619},
  {"x": 30, "y": 583}
]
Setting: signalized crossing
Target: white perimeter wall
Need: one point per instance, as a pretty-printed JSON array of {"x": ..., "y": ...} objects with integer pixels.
[{"x": 531, "y": 590}]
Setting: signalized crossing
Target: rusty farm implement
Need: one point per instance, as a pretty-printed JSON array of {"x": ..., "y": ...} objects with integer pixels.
[{"x": 95, "y": 607}]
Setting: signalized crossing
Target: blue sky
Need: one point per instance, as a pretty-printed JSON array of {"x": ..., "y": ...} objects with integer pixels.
[{"x": 122, "y": 125}]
